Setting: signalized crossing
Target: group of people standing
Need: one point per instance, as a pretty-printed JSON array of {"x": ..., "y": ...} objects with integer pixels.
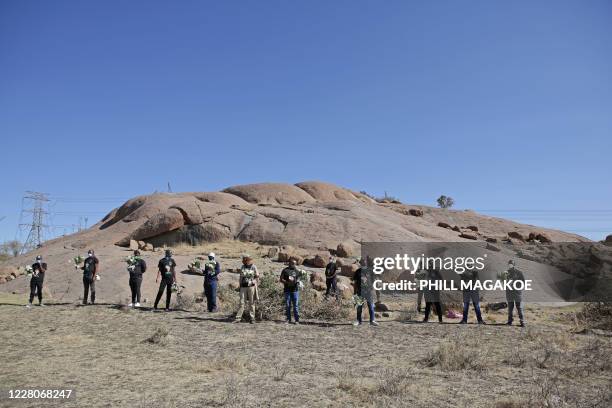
[
  {"x": 290, "y": 279},
  {"x": 514, "y": 298}
]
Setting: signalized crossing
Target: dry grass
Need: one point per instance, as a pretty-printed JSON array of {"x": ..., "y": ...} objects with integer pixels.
[
  {"x": 192, "y": 359},
  {"x": 452, "y": 356}
]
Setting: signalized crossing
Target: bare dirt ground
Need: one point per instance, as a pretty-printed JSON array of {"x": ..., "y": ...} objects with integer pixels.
[{"x": 116, "y": 357}]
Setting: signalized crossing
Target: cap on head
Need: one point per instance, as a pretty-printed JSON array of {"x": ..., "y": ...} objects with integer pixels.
[
  {"x": 211, "y": 255},
  {"x": 39, "y": 258},
  {"x": 292, "y": 262},
  {"x": 91, "y": 252}
]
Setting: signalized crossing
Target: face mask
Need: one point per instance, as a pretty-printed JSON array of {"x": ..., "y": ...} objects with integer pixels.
[
  {"x": 211, "y": 258},
  {"x": 90, "y": 254}
]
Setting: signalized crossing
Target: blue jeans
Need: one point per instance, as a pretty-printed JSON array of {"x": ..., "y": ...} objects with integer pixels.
[
  {"x": 370, "y": 311},
  {"x": 210, "y": 290},
  {"x": 292, "y": 298},
  {"x": 466, "y": 309}
]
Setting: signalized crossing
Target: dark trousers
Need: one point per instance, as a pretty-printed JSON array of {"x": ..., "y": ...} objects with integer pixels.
[
  {"x": 292, "y": 298},
  {"x": 519, "y": 309},
  {"x": 332, "y": 287},
  {"x": 438, "y": 307},
  {"x": 167, "y": 285},
  {"x": 135, "y": 282},
  {"x": 89, "y": 285},
  {"x": 36, "y": 285},
  {"x": 419, "y": 299},
  {"x": 210, "y": 291},
  {"x": 370, "y": 311},
  {"x": 466, "y": 309}
]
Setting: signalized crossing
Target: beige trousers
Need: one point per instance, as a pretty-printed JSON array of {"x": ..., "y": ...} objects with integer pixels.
[{"x": 247, "y": 298}]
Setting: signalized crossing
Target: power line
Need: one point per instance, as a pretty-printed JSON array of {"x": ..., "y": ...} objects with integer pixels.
[{"x": 33, "y": 204}]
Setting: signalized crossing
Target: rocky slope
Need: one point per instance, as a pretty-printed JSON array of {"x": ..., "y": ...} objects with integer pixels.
[{"x": 312, "y": 216}]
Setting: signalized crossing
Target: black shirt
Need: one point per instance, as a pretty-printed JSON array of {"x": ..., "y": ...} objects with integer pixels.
[
  {"x": 139, "y": 268},
  {"x": 363, "y": 282},
  {"x": 38, "y": 270},
  {"x": 290, "y": 279},
  {"x": 89, "y": 266},
  {"x": 330, "y": 270},
  {"x": 162, "y": 267}
]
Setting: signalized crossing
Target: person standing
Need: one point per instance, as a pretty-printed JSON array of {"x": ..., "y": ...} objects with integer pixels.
[
  {"x": 39, "y": 268},
  {"x": 515, "y": 297},
  {"x": 166, "y": 268},
  {"x": 289, "y": 277},
  {"x": 471, "y": 294},
  {"x": 136, "y": 270},
  {"x": 331, "y": 280},
  {"x": 432, "y": 295},
  {"x": 90, "y": 269},
  {"x": 249, "y": 278},
  {"x": 363, "y": 284},
  {"x": 212, "y": 269}
]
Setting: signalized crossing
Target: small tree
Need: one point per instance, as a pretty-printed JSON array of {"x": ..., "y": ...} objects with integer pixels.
[{"x": 445, "y": 202}]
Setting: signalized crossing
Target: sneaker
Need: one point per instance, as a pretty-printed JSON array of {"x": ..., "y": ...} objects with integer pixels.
[
  {"x": 29, "y": 305},
  {"x": 424, "y": 321},
  {"x": 236, "y": 321},
  {"x": 41, "y": 304},
  {"x": 522, "y": 324},
  {"x": 131, "y": 305},
  {"x": 509, "y": 323},
  {"x": 252, "y": 321},
  {"x": 296, "y": 323},
  {"x": 356, "y": 323},
  {"x": 374, "y": 323},
  {"x": 137, "y": 304},
  {"x": 167, "y": 309},
  {"x": 482, "y": 322},
  {"x": 463, "y": 322},
  {"x": 288, "y": 322}
]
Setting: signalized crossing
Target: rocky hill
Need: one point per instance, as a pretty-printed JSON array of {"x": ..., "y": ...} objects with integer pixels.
[{"x": 313, "y": 216}]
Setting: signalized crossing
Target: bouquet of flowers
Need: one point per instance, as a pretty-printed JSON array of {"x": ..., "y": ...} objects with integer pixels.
[
  {"x": 132, "y": 261},
  {"x": 77, "y": 261},
  {"x": 502, "y": 276},
  {"x": 176, "y": 288},
  {"x": 358, "y": 300},
  {"x": 196, "y": 264},
  {"x": 302, "y": 277},
  {"x": 28, "y": 271}
]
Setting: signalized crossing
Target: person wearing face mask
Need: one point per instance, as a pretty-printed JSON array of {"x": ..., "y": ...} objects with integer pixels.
[
  {"x": 331, "y": 283},
  {"x": 90, "y": 269},
  {"x": 249, "y": 277},
  {"x": 136, "y": 272},
  {"x": 515, "y": 297},
  {"x": 166, "y": 267},
  {"x": 289, "y": 278},
  {"x": 363, "y": 284},
  {"x": 39, "y": 268},
  {"x": 212, "y": 269}
]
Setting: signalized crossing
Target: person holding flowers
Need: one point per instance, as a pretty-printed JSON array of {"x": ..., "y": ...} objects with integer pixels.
[
  {"x": 90, "y": 269},
  {"x": 212, "y": 269},
  {"x": 136, "y": 267},
  {"x": 249, "y": 278},
  {"x": 514, "y": 297},
  {"x": 166, "y": 268},
  {"x": 363, "y": 284},
  {"x": 39, "y": 268},
  {"x": 289, "y": 277}
]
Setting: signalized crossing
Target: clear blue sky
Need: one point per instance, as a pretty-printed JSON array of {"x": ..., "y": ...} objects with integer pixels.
[{"x": 505, "y": 106}]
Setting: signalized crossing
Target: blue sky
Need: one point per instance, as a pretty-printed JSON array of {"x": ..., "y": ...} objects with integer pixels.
[{"x": 505, "y": 106}]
